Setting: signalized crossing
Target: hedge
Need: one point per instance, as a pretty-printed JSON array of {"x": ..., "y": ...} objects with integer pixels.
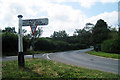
[{"x": 112, "y": 46}]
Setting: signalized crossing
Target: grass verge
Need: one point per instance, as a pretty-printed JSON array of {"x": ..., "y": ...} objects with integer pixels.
[
  {"x": 41, "y": 68},
  {"x": 103, "y": 54}
]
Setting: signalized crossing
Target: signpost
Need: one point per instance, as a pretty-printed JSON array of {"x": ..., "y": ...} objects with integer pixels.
[{"x": 28, "y": 22}]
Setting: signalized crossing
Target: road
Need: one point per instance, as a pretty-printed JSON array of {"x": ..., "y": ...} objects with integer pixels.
[{"x": 78, "y": 58}]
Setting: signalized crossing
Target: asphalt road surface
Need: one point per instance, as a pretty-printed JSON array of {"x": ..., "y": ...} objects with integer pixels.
[{"x": 78, "y": 58}]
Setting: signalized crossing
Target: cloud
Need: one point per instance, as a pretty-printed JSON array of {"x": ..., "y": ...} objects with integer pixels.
[
  {"x": 61, "y": 17},
  {"x": 111, "y": 18},
  {"x": 65, "y": 18},
  {"x": 89, "y": 3}
]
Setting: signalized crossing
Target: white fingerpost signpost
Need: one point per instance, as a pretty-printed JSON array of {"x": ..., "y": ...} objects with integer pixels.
[{"x": 33, "y": 23}]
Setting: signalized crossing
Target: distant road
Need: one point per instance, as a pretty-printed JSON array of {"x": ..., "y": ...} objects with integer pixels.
[
  {"x": 77, "y": 58},
  {"x": 80, "y": 58}
]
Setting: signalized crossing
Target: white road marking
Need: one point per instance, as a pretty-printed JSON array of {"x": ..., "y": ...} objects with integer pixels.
[
  {"x": 47, "y": 55},
  {"x": 43, "y": 55}
]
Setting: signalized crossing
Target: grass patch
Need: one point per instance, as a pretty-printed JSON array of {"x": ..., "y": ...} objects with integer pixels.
[
  {"x": 104, "y": 54},
  {"x": 41, "y": 68}
]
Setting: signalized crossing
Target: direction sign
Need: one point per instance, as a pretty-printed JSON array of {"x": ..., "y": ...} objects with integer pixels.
[{"x": 30, "y": 22}]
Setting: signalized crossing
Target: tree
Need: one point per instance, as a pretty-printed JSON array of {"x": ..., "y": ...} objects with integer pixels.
[
  {"x": 10, "y": 42},
  {"x": 100, "y": 32},
  {"x": 83, "y": 36},
  {"x": 37, "y": 34},
  {"x": 9, "y": 29},
  {"x": 89, "y": 27},
  {"x": 59, "y": 35}
]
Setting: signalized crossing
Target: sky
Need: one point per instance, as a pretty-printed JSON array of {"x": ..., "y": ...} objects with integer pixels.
[{"x": 65, "y": 15}]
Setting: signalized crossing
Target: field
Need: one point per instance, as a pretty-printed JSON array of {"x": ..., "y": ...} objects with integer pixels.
[{"x": 41, "y": 68}]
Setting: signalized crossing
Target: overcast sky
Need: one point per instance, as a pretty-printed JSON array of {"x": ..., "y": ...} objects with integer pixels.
[{"x": 65, "y": 15}]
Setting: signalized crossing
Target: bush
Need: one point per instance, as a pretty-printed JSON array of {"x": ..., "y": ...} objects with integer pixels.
[
  {"x": 112, "y": 46},
  {"x": 26, "y": 43},
  {"x": 61, "y": 45},
  {"x": 44, "y": 44},
  {"x": 48, "y": 45},
  {"x": 10, "y": 43}
]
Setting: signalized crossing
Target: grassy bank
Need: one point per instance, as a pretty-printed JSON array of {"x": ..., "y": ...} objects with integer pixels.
[
  {"x": 40, "y": 68},
  {"x": 103, "y": 54}
]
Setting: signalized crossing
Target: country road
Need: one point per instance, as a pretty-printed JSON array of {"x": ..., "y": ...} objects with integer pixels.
[{"x": 78, "y": 58}]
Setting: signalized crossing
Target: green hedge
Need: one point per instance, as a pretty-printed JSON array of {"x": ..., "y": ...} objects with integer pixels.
[
  {"x": 48, "y": 45},
  {"x": 112, "y": 46},
  {"x": 10, "y": 43},
  {"x": 43, "y": 44}
]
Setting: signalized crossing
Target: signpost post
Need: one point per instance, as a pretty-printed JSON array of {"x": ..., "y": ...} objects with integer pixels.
[
  {"x": 28, "y": 22},
  {"x": 20, "y": 43}
]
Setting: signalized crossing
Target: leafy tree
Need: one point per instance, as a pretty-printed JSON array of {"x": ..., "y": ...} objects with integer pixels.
[
  {"x": 119, "y": 31},
  {"x": 10, "y": 42},
  {"x": 37, "y": 34},
  {"x": 100, "y": 32},
  {"x": 59, "y": 35},
  {"x": 83, "y": 36},
  {"x": 89, "y": 27},
  {"x": 9, "y": 29},
  {"x": 113, "y": 33}
]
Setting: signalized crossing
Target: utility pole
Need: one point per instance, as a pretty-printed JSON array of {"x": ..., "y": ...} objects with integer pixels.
[{"x": 20, "y": 43}]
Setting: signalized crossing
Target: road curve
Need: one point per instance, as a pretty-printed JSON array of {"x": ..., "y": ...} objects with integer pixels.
[
  {"x": 77, "y": 58},
  {"x": 80, "y": 58}
]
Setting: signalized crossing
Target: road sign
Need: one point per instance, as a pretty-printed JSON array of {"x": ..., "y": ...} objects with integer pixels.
[
  {"x": 33, "y": 23},
  {"x": 30, "y": 22},
  {"x": 33, "y": 28}
]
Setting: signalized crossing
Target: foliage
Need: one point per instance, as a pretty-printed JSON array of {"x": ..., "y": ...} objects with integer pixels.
[
  {"x": 89, "y": 27},
  {"x": 43, "y": 44},
  {"x": 112, "y": 46},
  {"x": 83, "y": 36},
  {"x": 10, "y": 43},
  {"x": 100, "y": 32},
  {"x": 37, "y": 69},
  {"x": 9, "y": 29},
  {"x": 37, "y": 34},
  {"x": 26, "y": 43},
  {"x": 56, "y": 45},
  {"x": 59, "y": 35}
]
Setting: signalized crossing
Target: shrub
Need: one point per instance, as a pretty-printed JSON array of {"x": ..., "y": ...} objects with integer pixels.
[
  {"x": 44, "y": 44},
  {"x": 10, "y": 43},
  {"x": 61, "y": 45},
  {"x": 112, "y": 46}
]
